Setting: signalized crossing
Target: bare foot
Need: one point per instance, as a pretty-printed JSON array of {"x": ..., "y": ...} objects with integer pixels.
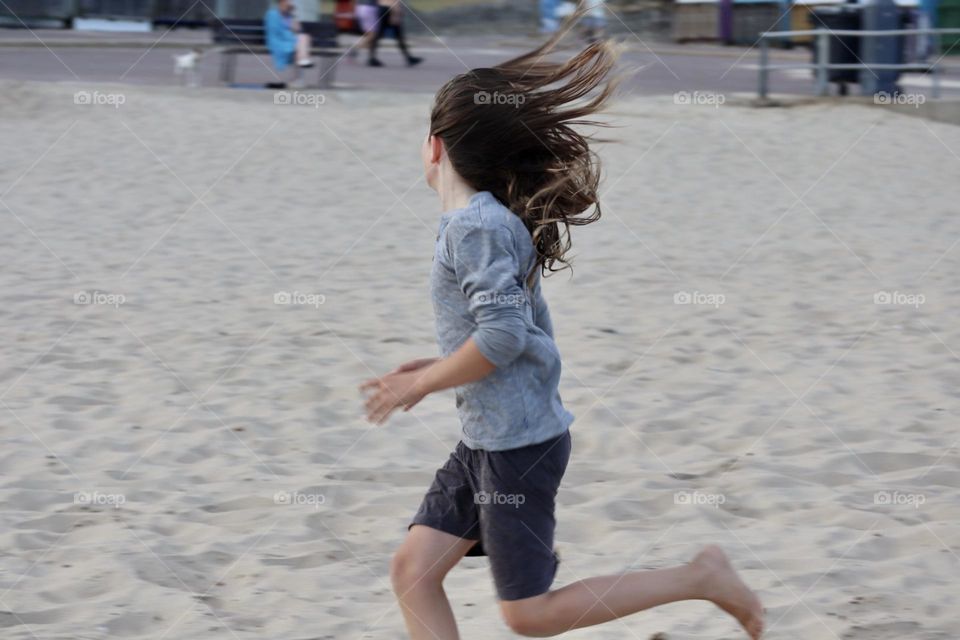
[{"x": 723, "y": 587}]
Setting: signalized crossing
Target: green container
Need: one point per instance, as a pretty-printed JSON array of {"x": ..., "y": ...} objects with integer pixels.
[{"x": 948, "y": 17}]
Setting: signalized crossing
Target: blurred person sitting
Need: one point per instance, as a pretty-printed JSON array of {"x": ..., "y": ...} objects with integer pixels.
[
  {"x": 548, "y": 16},
  {"x": 594, "y": 18},
  {"x": 285, "y": 41},
  {"x": 595, "y": 21},
  {"x": 390, "y": 16}
]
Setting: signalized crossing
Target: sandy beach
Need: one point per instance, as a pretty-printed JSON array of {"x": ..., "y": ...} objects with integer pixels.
[{"x": 757, "y": 344}]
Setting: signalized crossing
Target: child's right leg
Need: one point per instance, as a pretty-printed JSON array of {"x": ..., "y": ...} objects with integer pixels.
[
  {"x": 597, "y": 600},
  {"x": 518, "y": 539}
]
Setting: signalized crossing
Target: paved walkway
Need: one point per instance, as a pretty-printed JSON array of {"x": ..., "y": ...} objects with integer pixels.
[{"x": 662, "y": 67}]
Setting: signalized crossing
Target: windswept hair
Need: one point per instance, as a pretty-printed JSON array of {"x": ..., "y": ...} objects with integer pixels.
[{"x": 510, "y": 130}]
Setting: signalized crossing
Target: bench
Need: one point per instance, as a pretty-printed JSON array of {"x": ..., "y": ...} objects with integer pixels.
[{"x": 236, "y": 36}]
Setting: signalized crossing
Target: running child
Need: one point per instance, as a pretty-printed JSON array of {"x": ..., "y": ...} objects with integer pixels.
[{"x": 513, "y": 176}]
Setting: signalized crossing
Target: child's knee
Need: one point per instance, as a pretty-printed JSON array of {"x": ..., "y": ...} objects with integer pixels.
[
  {"x": 409, "y": 569},
  {"x": 400, "y": 569},
  {"x": 528, "y": 617}
]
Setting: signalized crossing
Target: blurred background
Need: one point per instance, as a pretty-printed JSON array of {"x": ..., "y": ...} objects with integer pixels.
[
  {"x": 207, "y": 246},
  {"x": 715, "y": 45}
]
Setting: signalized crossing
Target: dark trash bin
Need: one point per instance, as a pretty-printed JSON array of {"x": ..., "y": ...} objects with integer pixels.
[
  {"x": 240, "y": 9},
  {"x": 881, "y": 15},
  {"x": 19, "y": 13},
  {"x": 181, "y": 13},
  {"x": 878, "y": 15},
  {"x": 842, "y": 49}
]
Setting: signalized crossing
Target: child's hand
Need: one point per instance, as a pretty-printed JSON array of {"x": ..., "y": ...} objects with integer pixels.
[{"x": 392, "y": 391}]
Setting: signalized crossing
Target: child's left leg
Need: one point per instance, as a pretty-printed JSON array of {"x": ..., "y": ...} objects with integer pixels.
[{"x": 417, "y": 572}]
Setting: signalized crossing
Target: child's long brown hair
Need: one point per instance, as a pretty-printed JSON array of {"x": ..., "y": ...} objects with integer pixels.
[{"x": 509, "y": 130}]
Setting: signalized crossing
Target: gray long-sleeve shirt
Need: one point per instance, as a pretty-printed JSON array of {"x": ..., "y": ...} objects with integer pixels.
[{"x": 479, "y": 288}]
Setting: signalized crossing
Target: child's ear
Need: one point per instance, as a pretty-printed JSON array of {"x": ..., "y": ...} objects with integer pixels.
[{"x": 436, "y": 149}]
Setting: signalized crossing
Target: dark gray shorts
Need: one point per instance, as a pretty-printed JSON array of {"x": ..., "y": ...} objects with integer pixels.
[{"x": 504, "y": 500}]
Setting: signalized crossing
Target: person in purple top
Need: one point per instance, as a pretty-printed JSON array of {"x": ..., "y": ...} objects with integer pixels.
[{"x": 390, "y": 19}]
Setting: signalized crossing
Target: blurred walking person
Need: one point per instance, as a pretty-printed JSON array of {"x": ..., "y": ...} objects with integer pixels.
[
  {"x": 390, "y": 17},
  {"x": 366, "y": 13}
]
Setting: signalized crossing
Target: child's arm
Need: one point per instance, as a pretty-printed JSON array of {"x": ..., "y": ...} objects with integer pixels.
[
  {"x": 465, "y": 365},
  {"x": 406, "y": 387},
  {"x": 486, "y": 267}
]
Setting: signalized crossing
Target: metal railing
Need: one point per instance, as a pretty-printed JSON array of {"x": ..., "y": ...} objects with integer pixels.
[{"x": 822, "y": 65}]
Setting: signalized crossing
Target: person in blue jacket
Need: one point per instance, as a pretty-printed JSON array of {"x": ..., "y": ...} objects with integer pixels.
[
  {"x": 286, "y": 43},
  {"x": 548, "y": 16}
]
